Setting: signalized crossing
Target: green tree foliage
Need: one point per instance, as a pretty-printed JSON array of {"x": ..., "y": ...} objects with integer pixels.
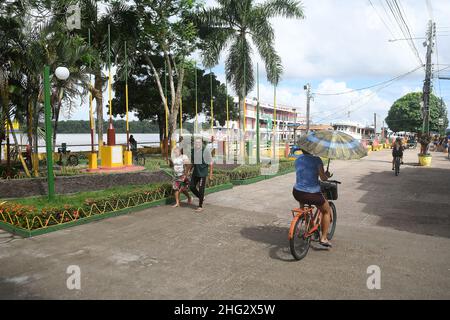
[
  {"x": 235, "y": 25},
  {"x": 405, "y": 114},
  {"x": 145, "y": 100}
]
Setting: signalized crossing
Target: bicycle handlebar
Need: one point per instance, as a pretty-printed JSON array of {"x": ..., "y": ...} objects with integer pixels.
[{"x": 334, "y": 181}]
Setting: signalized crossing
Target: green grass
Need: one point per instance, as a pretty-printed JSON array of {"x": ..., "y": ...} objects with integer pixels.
[
  {"x": 153, "y": 164},
  {"x": 76, "y": 199}
]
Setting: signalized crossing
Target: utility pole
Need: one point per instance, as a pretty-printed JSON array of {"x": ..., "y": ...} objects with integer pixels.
[
  {"x": 307, "y": 87},
  {"x": 428, "y": 74},
  {"x": 375, "y": 124}
]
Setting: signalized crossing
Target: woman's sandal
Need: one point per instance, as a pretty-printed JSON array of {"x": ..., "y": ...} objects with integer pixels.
[{"x": 325, "y": 244}]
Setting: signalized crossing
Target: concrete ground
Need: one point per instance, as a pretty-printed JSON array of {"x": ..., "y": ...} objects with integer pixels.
[{"x": 238, "y": 248}]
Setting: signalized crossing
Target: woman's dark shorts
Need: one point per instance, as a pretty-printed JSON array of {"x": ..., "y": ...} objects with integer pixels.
[{"x": 315, "y": 199}]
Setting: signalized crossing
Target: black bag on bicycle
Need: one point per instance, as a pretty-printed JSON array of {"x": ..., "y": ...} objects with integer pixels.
[{"x": 329, "y": 190}]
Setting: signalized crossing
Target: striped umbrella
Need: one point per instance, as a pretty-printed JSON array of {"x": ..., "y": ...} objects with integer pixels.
[{"x": 332, "y": 145}]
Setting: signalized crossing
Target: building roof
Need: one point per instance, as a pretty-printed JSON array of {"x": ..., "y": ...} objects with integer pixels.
[{"x": 315, "y": 127}]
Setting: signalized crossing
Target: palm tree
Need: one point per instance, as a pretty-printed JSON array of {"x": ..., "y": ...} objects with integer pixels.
[{"x": 236, "y": 25}]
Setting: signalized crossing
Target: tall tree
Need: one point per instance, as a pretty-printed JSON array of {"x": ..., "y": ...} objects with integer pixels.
[
  {"x": 406, "y": 115},
  {"x": 163, "y": 30},
  {"x": 237, "y": 26}
]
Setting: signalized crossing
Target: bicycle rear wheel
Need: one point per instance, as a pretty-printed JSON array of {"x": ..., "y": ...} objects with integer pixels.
[
  {"x": 397, "y": 166},
  {"x": 299, "y": 242},
  {"x": 72, "y": 160},
  {"x": 140, "y": 160}
]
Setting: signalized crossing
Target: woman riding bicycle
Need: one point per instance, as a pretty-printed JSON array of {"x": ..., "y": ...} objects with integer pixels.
[
  {"x": 307, "y": 189},
  {"x": 397, "y": 151}
]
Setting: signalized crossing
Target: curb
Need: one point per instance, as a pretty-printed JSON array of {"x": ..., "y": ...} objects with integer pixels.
[{"x": 32, "y": 233}]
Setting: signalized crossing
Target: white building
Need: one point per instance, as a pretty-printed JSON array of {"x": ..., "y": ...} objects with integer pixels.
[
  {"x": 355, "y": 129},
  {"x": 287, "y": 118}
]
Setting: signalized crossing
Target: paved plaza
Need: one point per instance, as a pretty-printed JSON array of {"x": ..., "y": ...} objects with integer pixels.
[{"x": 238, "y": 247}]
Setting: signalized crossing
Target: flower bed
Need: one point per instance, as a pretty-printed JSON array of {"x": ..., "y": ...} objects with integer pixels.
[
  {"x": 247, "y": 174},
  {"x": 217, "y": 180},
  {"x": 243, "y": 172},
  {"x": 28, "y": 220},
  {"x": 30, "y": 217}
]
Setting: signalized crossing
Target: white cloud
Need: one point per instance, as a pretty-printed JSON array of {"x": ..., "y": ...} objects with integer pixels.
[{"x": 343, "y": 45}]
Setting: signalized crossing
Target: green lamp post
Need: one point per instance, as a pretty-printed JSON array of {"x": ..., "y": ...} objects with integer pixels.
[{"x": 62, "y": 73}]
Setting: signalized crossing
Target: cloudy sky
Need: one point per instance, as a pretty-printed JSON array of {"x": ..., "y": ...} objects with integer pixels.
[{"x": 344, "y": 45}]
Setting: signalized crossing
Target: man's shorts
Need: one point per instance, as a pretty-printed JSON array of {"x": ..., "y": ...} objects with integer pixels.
[{"x": 315, "y": 199}]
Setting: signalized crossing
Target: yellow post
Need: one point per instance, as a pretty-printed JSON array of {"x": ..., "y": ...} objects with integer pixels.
[
  {"x": 24, "y": 165},
  {"x": 35, "y": 162},
  {"x": 128, "y": 158},
  {"x": 228, "y": 117},
  {"x": 126, "y": 107},
  {"x": 110, "y": 94},
  {"x": 196, "y": 100},
  {"x": 181, "y": 114},
  {"x": 274, "y": 119},
  {"x": 212, "y": 117},
  {"x": 127, "y": 155},
  {"x": 92, "y": 158}
]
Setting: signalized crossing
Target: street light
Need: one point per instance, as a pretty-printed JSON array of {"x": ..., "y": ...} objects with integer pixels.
[{"x": 62, "y": 73}]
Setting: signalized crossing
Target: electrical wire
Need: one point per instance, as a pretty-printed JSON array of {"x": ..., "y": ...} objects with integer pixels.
[
  {"x": 369, "y": 87},
  {"x": 399, "y": 17},
  {"x": 386, "y": 84},
  {"x": 382, "y": 20}
]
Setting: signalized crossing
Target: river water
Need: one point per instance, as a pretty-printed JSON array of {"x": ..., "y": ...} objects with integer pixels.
[{"x": 82, "y": 141}]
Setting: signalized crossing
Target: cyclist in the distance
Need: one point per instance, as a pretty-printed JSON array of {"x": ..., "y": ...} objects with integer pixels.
[
  {"x": 397, "y": 151},
  {"x": 307, "y": 189}
]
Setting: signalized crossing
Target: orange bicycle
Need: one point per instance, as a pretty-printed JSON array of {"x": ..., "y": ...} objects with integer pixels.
[{"x": 306, "y": 223}]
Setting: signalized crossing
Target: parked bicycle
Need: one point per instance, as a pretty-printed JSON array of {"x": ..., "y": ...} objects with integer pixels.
[
  {"x": 65, "y": 158},
  {"x": 306, "y": 223},
  {"x": 138, "y": 158}
]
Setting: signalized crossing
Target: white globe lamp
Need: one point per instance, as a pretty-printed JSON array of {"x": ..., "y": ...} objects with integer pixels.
[{"x": 62, "y": 73}]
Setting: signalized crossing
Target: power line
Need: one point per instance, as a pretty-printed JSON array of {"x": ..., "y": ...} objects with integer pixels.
[
  {"x": 369, "y": 87},
  {"x": 382, "y": 20},
  {"x": 399, "y": 18},
  {"x": 370, "y": 96}
]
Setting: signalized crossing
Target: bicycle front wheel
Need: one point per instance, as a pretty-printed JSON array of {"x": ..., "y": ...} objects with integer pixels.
[
  {"x": 299, "y": 241},
  {"x": 332, "y": 226}
]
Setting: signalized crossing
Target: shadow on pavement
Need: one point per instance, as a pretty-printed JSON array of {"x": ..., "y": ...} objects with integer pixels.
[
  {"x": 275, "y": 237},
  {"x": 416, "y": 201}
]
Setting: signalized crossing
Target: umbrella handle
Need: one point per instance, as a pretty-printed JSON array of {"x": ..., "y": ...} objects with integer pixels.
[{"x": 328, "y": 166}]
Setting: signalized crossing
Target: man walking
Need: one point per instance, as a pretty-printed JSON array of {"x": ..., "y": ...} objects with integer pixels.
[{"x": 202, "y": 163}]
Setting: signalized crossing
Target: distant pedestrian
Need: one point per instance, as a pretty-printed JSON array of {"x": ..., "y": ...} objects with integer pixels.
[
  {"x": 397, "y": 151},
  {"x": 202, "y": 164},
  {"x": 133, "y": 144}
]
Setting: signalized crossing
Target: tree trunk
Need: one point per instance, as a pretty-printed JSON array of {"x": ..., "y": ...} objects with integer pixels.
[
  {"x": 160, "y": 122},
  {"x": 99, "y": 104},
  {"x": 35, "y": 127},
  {"x": 55, "y": 126},
  {"x": 241, "y": 111}
]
